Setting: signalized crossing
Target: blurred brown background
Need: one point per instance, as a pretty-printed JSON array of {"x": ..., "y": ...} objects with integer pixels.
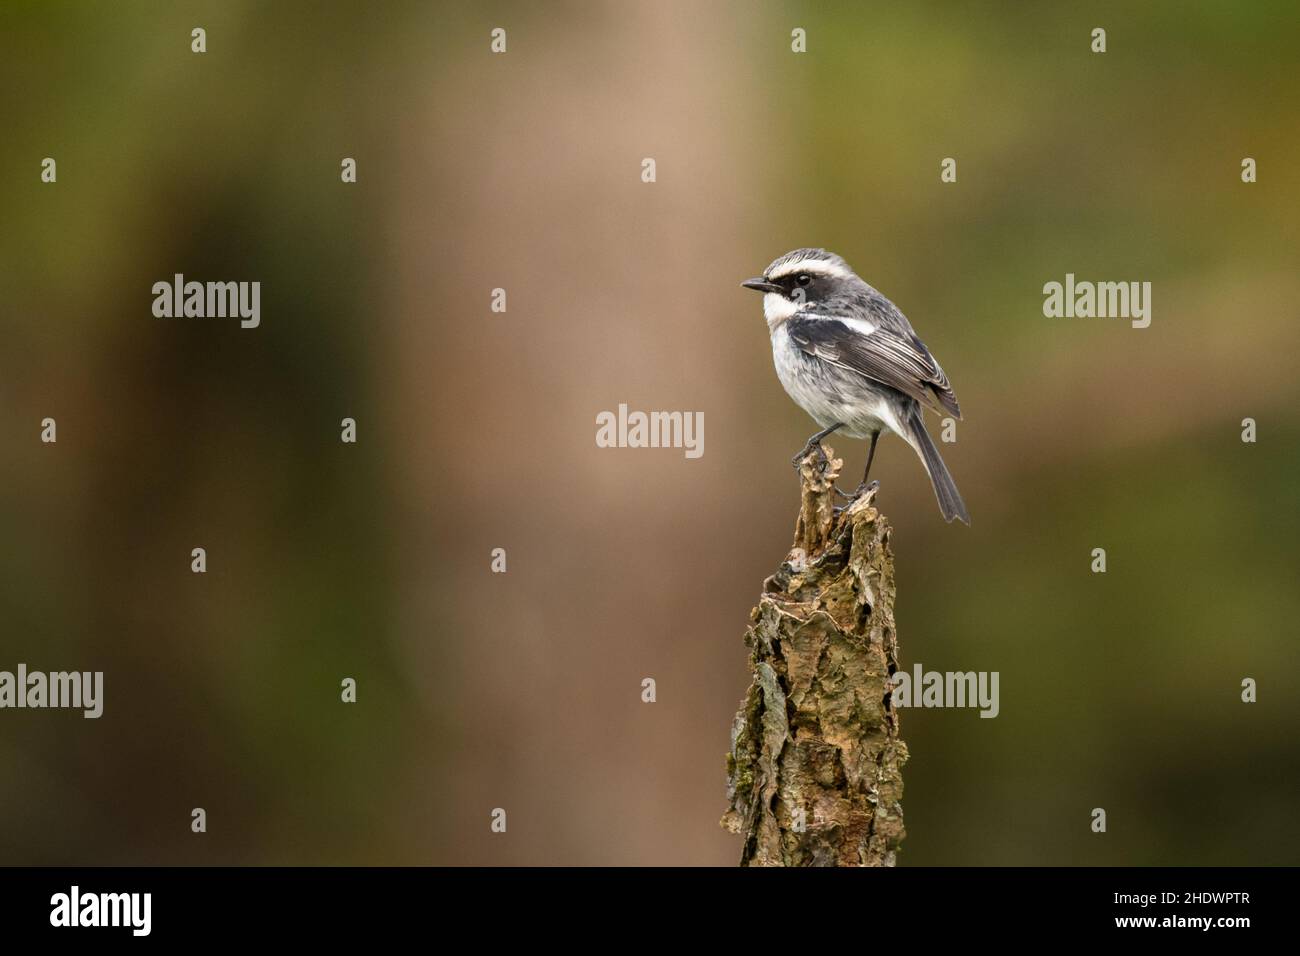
[{"x": 476, "y": 430}]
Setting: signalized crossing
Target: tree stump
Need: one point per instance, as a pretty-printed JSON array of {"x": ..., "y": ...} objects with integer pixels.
[{"x": 814, "y": 773}]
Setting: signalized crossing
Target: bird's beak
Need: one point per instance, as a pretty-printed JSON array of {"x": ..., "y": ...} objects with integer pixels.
[{"x": 760, "y": 284}]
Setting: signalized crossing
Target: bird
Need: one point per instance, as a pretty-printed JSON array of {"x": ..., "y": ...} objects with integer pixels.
[{"x": 851, "y": 360}]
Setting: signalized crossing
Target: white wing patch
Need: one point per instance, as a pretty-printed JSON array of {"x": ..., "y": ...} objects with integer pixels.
[{"x": 861, "y": 326}]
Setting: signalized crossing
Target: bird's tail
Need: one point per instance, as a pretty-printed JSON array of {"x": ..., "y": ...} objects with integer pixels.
[{"x": 945, "y": 489}]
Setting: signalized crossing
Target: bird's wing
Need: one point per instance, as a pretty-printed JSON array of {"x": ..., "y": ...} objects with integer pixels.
[{"x": 888, "y": 356}]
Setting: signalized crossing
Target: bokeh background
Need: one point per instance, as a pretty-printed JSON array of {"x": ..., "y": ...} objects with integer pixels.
[{"x": 476, "y": 430}]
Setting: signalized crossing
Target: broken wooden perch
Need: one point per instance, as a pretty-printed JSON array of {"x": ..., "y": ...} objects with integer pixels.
[{"x": 814, "y": 774}]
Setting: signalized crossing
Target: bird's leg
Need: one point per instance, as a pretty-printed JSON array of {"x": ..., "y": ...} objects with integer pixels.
[
  {"x": 814, "y": 442},
  {"x": 875, "y": 436}
]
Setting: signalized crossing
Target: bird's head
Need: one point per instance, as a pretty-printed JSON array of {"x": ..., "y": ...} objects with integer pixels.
[{"x": 802, "y": 277}]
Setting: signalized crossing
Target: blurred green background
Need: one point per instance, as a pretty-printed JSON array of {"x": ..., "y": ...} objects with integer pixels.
[{"x": 476, "y": 430}]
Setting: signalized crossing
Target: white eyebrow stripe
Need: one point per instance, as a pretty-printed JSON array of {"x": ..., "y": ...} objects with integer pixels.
[{"x": 820, "y": 266}]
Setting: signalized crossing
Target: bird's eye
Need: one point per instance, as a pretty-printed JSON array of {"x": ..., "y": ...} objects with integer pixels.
[{"x": 803, "y": 278}]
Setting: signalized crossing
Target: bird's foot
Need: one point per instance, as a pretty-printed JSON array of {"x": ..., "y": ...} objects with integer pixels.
[
  {"x": 861, "y": 490},
  {"x": 797, "y": 460}
]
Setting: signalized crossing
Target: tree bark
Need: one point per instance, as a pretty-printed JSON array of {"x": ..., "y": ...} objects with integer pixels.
[{"x": 814, "y": 773}]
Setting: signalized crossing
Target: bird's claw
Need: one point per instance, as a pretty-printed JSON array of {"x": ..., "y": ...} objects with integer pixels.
[
  {"x": 857, "y": 493},
  {"x": 797, "y": 460}
]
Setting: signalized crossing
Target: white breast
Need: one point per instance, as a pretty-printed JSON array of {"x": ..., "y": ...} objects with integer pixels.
[
  {"x": 811, "y": 392},
  {"x": 829, "y": 395}
]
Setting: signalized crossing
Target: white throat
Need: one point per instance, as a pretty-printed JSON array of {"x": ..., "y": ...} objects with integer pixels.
[{"x": 777, "y": 308}]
